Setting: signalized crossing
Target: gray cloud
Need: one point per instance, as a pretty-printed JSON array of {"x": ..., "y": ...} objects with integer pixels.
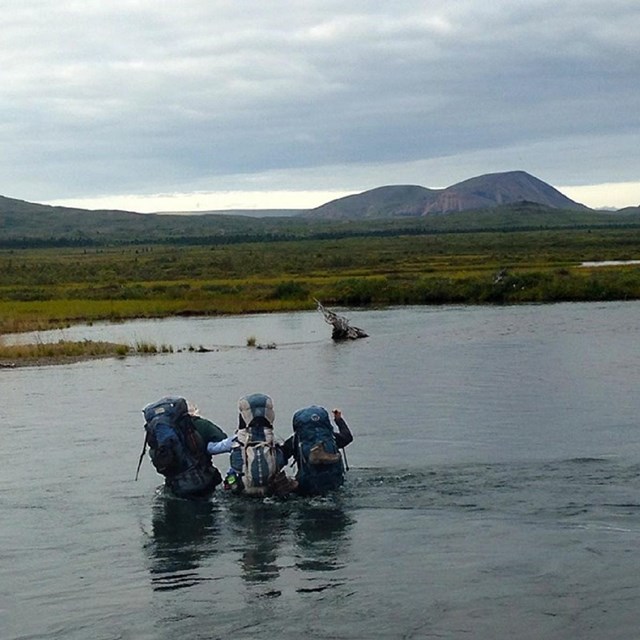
[{"x": 135, "y": 97}]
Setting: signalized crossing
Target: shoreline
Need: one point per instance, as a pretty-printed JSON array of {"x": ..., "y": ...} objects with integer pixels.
[
  {"x": 72, "y": 352},
  {"x": 67, "y": 352},
  {"x": 47, "y": 361}
]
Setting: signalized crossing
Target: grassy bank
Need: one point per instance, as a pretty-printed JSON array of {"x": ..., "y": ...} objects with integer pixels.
[
  {"x": 41, "y": 289},
  {"x": 65, "y": 351},
  {"x": 59, "y": 352}
]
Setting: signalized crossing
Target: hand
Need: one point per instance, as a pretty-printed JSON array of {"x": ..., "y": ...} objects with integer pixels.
[{"x": 337, "y": 414}]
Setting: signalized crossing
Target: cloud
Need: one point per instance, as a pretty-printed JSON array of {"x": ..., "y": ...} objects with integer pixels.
[{"x": 132, "y": 97}]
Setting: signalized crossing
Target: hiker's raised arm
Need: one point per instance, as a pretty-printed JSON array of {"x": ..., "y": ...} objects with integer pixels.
[{"x": 344, "y": 435}]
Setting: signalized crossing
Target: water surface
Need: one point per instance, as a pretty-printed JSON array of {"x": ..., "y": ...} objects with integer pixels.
[{"x": 493, "y": 489}]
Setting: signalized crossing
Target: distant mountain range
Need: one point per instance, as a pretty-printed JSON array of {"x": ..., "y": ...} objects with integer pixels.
[
  {"x": 511, "y": 200},
  {"x": 482, "y": 192}
]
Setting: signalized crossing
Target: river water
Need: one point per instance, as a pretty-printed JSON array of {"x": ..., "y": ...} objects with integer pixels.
[{"x": 493, "y": 489}]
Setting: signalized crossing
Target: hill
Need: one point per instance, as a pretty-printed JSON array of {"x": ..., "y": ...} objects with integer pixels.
[
  {"x": 630, "y": 210},
  {"x": 482, "y": 192},
  {"x": 506, "y": 201},
  {"x": 382, "y": 202},
  {"x": 47, "y": 225},
  {"x": 28, "y": 218}
]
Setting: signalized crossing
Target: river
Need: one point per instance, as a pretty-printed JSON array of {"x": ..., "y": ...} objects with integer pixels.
[{"x": 493, "y": 489}]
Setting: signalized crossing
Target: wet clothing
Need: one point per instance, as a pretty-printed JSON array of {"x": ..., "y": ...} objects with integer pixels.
[{"x": 343, "y": 438}]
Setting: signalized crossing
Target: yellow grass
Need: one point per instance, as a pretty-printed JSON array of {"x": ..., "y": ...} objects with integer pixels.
[{"x": 62, "y": 349}]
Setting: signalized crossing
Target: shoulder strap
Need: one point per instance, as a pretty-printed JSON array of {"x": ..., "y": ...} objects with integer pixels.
[{"x": 192, "y": 440}]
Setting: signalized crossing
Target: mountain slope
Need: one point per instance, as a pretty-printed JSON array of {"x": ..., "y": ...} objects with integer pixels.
[
  {"x": 495, "y": 189},
  {"x": 499, "y": 201},
  {"x": 482, "y": 192},
  {"x": 27, "y": 220},
  {"x": 381, "y": 202}
]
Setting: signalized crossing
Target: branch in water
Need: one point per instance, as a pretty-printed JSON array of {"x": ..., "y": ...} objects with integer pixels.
[{"x": 342, "y": 330}]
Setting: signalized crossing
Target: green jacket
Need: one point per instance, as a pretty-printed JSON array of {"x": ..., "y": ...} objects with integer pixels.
[{"x": 207, "y": 430}]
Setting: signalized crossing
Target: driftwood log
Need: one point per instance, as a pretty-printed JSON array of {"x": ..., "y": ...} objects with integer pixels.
[{"x": 342, "y": 330}]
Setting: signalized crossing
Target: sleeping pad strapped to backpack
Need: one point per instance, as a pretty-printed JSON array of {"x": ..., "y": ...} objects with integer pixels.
[
  {"x": 320, "y": 467},
  {"x": 254, "y": 456},
  {"x": 176, "y": 449}
]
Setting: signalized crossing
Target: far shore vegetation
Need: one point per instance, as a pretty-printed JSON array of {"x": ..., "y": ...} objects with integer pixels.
[{"x": 49, "y": 288}]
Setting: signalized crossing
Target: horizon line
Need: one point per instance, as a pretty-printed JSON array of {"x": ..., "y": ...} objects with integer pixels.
[{"x": 603, "y": 196}]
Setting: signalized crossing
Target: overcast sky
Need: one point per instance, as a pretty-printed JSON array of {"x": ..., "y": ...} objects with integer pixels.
[{"x": 205, "y": 104}]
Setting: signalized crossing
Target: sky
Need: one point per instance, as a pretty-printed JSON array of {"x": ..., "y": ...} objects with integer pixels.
[{"x": 244, "y": 104}]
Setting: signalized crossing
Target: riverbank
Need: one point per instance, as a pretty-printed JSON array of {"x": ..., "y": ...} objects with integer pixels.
[
  {"x": 49, "y": 289},
  {"x": 63, "y": 307},
  {"x": 64, "y": 352},
  {"x": 46, "y": 361}
]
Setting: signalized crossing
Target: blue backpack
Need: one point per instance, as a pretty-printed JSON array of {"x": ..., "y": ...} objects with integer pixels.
[
  {"x": 176, "y": 449},
  {"x": 166, "y": 424},
  {"x": 320, "y": 466}
]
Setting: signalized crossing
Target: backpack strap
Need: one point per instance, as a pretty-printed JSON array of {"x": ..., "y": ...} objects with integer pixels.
[{"x": 193, "y": 441}]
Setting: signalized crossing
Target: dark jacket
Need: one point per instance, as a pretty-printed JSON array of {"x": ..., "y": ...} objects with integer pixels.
[
  {"x": 209, "y": 431},
  {"x": 343, "y": 438}
]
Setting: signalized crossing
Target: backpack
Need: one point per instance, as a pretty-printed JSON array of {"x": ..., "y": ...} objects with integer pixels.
[
  {"x": 320, "y": 466},
  {"x": 255, "y": 452},
  {"x": 176, "y": 449}
]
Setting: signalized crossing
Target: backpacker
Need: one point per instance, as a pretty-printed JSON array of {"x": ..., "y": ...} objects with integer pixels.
[
  {"x": 176, "y": 449},
  {"x": 320, "y": 467},
  {"x": 254, "y": 456}
]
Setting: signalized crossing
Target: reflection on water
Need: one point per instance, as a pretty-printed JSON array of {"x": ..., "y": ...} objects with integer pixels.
[
  {"x": 268, "y": 531},
  {"x": 183, "y": 533},
  {"x": 261, "y": 536},
  {"x": 608, "y": 263},
  {"x": 321, "y": 533},
  {"x": 259, "y": 527}
]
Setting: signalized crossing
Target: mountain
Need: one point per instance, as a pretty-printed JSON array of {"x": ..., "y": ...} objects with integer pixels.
[
  {"x": 382, "y": 202},
  {"x": 11, "y": 208},
  {"x": 629, "y": 210},
  {"x": 482, "y": 192},
  {"x": 27, "y": 220},
  {"x": 512, "y": 200}
]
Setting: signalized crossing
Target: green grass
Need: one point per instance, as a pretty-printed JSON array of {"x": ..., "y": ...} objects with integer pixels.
[
  {"x": 63, "y": 349},
  {"x": 41, "y": 289}
]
